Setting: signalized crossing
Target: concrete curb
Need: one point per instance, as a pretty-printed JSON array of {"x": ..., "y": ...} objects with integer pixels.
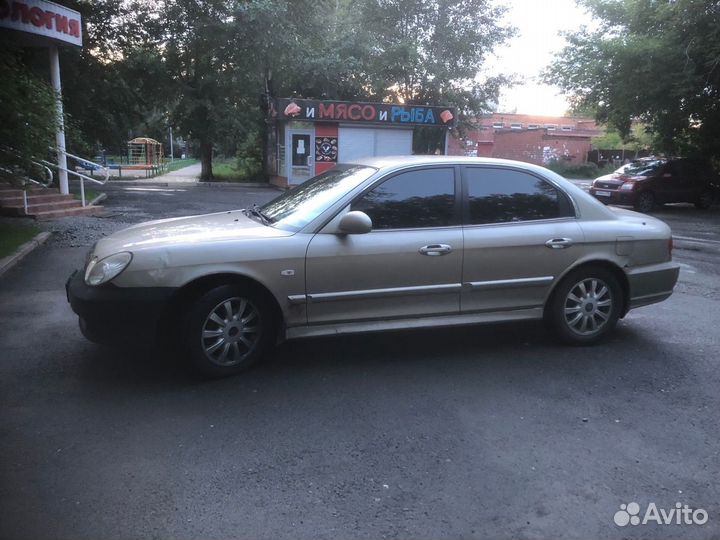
[
  {"x": 6, "y": 263},
  {"x": 218, "y": 185}
]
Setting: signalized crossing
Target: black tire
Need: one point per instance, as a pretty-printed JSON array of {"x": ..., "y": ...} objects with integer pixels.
[
  {"x": 645, "y": 202},
  {"x": 219, "y": 342},
  {"x": 705, "y": 200},
  {"x": 568, "y": 306}
]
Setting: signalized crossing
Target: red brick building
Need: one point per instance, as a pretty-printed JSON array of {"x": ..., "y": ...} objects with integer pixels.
[{"x": 529, "y": 138}]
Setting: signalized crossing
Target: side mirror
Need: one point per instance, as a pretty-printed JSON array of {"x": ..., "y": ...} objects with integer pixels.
[{"x": 355, "y": 222}]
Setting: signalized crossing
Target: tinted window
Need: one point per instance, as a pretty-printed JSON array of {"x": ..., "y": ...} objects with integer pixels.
[
  {"x": 502, "y": 195},
  {"x": 422, "y": 198}
]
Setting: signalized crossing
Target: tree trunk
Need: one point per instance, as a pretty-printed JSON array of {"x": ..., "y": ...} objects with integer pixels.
[{"x": 206, "y": 174}]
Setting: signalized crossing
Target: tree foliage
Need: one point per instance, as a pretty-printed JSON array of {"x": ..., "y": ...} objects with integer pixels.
[
  {"x": 209, "y": 67},
  {"x": 27, "y": 127},
  {"x": 653, "y": 61}
]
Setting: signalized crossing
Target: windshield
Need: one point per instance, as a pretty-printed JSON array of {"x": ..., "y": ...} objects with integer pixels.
[
  {"x": 296, "y": 208},
  {"x": 642, "y": 168}
]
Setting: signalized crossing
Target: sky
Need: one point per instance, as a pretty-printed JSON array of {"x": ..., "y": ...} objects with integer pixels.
[{"x": 531, "y": 50}]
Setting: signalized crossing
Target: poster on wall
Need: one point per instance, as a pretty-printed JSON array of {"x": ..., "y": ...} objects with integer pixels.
[
  {"x": 311, "y": 110},
  {"x": 326, "y": 149}
]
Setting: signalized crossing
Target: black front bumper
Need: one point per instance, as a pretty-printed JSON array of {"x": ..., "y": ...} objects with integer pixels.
[{"x": 110, "y": 314}]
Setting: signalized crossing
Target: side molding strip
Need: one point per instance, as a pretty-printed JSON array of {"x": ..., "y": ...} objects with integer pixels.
[
  {"x": 375, "y": 293},
  {"x": 503, "y": 283}
]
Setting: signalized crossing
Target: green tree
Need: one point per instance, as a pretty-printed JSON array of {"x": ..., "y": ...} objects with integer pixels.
[
  {"x": 637, "y": 139},
  {"x": 27, "y": 117},
  {"x": 116, "y": 86},
  {"x": 431, "y": 52},
  {"x": 649, "y": 61}
]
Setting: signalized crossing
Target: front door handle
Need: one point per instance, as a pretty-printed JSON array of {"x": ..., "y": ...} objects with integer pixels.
[
  {"x": 435, "y": 250},
  {"x": 559, "y": 243}
]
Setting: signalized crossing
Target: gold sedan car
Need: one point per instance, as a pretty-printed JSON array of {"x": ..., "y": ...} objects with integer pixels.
[{"x": 381, "y": 244}]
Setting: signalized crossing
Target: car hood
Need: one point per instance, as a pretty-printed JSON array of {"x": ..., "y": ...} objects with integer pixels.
[
  {"x": 221, "y": 226},
  {"x": 612, "y": 179}
]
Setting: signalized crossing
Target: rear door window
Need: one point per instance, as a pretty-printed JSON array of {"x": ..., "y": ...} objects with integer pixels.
[{"x": 496, "y": 195}]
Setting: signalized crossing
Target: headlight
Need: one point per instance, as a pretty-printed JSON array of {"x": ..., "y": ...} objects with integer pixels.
[
  {"x": 627, "y": 186},
  {"x": 102, "y": 271}
]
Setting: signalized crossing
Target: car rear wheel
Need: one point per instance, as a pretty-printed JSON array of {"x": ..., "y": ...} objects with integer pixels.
[
  {"x": 585, "y": 306},
  {"x": 228, "y": 329},
  {"x": 705, "y": 200},
  {"x": 645, "y": 202}
]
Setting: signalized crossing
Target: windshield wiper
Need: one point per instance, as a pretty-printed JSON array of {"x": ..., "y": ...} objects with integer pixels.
[{"x": 255, "y": 211}]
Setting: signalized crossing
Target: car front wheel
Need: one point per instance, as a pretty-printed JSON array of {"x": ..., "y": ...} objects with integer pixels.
[
  {"x": 585, "y": 306},
  {"x": 645, "y": 202},
  {"x": 228, "y": 329}
]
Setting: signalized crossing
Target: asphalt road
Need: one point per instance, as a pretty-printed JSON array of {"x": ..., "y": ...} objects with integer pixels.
[{"x": 483, "y": 432}]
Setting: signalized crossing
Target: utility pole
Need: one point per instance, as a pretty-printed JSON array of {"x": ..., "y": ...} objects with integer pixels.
[{"x": 172, "y": 154}]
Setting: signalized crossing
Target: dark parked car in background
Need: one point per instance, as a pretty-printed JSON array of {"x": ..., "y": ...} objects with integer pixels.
[{"x": 650, "y": 181}]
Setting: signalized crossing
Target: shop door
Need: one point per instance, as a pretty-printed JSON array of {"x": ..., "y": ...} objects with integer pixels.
[{"x": 302, "y": 162}]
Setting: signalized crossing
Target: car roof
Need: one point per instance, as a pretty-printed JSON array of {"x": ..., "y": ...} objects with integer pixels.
[{"x": 394, "y": 161}]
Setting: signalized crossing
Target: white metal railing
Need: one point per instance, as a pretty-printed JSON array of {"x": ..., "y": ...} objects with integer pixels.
[
  {"x": 82, "y": 177},
  {"x": 27, "y": 179},
  {"x": 47, "y": 166}
]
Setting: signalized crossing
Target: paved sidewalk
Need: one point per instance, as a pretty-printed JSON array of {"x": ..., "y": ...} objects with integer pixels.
[{"x": 186, "y": 175}]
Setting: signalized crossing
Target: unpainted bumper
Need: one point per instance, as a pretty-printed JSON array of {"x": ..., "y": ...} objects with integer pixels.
[
  {"x": 110, "y": 314},
  {"x": 652, "y": 283}
]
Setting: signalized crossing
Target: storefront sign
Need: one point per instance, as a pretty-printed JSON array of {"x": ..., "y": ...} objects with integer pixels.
[
  {"x": 45, "y": 20},
  {"x": 359, "y": 113}
]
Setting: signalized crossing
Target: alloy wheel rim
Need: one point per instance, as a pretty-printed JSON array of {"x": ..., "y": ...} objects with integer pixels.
[
  {"x": 230, "y": 331},
  {"x": 588, "y": 306}
]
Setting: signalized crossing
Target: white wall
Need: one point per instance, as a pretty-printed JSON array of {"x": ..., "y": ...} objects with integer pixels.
[{"x": 355, "y": 143}]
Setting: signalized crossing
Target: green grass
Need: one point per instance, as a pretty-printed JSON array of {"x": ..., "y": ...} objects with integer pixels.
[
  {"x": 179, "y": 164},
  {"x": 225, "y": 170},
  {"x": 12, "y": 236},
  {"x": 89, "y": 195}
]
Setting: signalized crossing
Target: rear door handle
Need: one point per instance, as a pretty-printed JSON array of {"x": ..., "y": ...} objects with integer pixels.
[
  {"x": 559, "y": 243},
  {"x": 435, "y": 250}
]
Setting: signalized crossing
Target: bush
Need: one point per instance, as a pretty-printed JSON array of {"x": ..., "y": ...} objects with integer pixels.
[
  {"x": 574, "y": 170},
  {"x": 27, "y": 117},
  {"x": 249, "y": 157}
]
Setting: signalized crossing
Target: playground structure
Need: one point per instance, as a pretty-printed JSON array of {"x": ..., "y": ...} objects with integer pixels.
[{"x": 145, "y": 154}]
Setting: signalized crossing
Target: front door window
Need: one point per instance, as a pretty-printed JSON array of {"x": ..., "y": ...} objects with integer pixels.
[{"x": 300, "y": 150}]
